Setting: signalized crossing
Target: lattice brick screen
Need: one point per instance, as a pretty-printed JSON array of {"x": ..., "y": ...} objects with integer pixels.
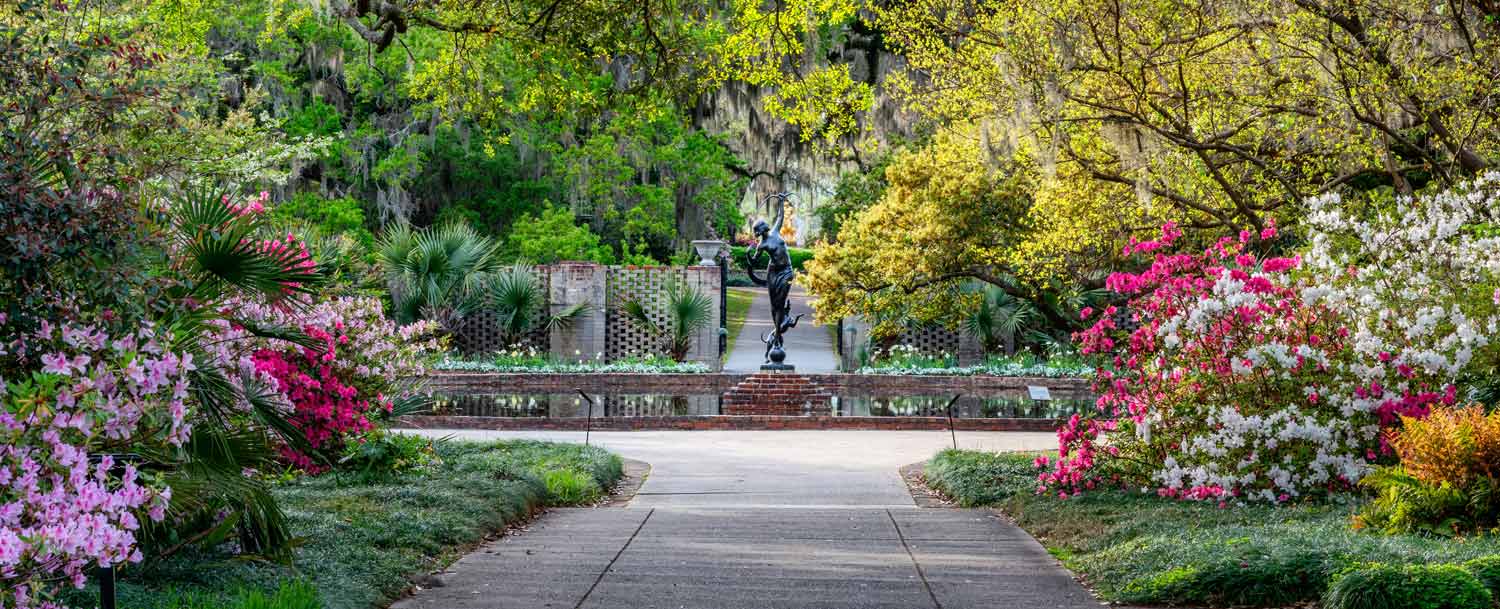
[
  {"x": 648, "y": 284},
  {"x": 480, "y": 333},
  {"x": 932, "y": 340}
]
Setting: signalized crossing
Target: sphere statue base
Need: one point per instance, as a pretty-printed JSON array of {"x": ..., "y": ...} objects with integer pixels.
[{"x": 777, "y": 356}]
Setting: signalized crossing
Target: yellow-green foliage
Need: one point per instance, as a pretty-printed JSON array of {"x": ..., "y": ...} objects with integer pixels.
[{"x": 945, "y": 214}]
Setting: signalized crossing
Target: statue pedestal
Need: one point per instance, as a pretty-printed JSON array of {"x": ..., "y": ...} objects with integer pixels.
[{"x": 778, "y": 392}]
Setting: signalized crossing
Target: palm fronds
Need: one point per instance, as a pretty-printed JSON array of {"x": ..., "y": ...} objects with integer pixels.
[
  {"x": 688, "y": 311},
  {"x": 1002, "y": 320},
  {"x": 223, "y": 251},
  {"x": 436, "y": 273},
  {"x": 517, "y": 299}
]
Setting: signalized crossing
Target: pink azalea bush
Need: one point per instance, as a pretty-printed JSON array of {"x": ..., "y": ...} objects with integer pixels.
[
  {"x": 338, "y": 388},
  {"x": 66, "y": 505},
  {"x": 1272, "y": 378}
]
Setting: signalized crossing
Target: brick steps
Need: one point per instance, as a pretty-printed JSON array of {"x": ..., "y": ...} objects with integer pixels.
[{"x": 776, "y": 394}]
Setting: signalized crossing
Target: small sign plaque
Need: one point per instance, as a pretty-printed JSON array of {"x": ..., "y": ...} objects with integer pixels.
[{"x": 1040, "y": 394}]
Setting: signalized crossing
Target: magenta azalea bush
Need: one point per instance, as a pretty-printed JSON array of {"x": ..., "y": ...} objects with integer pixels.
[
  {"x": 1243, "y": 377},
  {"x": 66, "y": 504}
]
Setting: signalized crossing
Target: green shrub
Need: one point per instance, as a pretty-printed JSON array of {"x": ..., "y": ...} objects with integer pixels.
[
  {"x": 341, "y": 216},
  {"x": 1487, "y": 570},
  {"x": 553, "y": 236},
  {"x": 1217, "y": 571},
  {"x": 1381, "y": 586},
  {"x": 974, "y": 478},
  {"x": 566, "y": 487},
  {"x": 381, "y": 453}
]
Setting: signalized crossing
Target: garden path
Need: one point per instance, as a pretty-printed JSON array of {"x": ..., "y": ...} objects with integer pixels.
[
  {"x": 809, "y": 346},
  {"x": 764, "y": 519}
]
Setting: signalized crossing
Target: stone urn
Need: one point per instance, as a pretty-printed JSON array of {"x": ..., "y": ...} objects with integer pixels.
[{"x": 708, "y": 250}]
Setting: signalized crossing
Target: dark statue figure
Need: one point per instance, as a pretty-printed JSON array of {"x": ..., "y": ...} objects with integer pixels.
[{"x": 778, "y": 281}]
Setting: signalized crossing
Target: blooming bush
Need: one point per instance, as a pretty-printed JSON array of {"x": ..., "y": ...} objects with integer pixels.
[
  {"x": 1221, "y": 389},
  {"x": 66, "y": 504},
  {"x": 1418, "y": 285},
  {"x": 358, "y": 365},
  {"x": 1269, "y": 378}
]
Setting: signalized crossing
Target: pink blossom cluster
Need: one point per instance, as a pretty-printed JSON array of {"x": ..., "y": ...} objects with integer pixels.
[
  {"x": 66, "y": 504},
  {"x": 249, "y": 207},
  {"x": 292, "y": 253},
  {"x": 324, "y": 408}
]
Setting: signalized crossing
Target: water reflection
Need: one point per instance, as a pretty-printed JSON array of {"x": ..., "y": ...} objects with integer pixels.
[{"x": 1014, "y": 407}]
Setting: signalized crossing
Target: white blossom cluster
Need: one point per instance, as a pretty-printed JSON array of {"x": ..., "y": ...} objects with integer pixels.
[{"x": 1416, "y": 282}]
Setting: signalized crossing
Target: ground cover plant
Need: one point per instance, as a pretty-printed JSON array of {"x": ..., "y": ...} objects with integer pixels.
[
  {"x": 364, "y": 537},
  {"x": 1137, "y": 547}
]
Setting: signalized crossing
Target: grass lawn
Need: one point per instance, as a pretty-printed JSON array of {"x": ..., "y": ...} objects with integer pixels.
[
  {"x": 363, "y": 540},
  {"x": 1138, "y": 548},
  {"x": 738, "y": 308}
]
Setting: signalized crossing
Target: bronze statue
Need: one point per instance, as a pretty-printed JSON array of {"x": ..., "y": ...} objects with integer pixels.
[{"x": 778, "y": 282}]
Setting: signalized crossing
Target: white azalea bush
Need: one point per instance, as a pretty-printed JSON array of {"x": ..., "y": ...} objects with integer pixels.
[
  {"x": 1273, "y": 378},
  {"x": 1418, "y": 283}
]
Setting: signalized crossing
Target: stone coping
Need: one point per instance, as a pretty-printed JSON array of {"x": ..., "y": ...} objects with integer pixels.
[
  {"x": 722, "y": 422},
  {"x": 711, "y": 382}
]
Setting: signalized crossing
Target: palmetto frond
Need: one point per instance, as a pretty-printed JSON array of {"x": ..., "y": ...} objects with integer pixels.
[
  {"x": 688, "y": 310},
  {"x": 212, "y": 497},
  {"x": 436, "y": 271},
  {"x": 566, "y": 317},
  {"x": 516, "y": 297},
  {"x": 636, "y": 312},
  {"x": 221, "y": 250},
  {"x": 1002, "y": 319}
]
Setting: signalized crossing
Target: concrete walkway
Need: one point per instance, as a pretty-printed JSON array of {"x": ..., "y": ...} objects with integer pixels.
[
  {"x": 764, "y": 519},
  {"x": 809, "y": 346},
  {"x": 776, "y": 469}
]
